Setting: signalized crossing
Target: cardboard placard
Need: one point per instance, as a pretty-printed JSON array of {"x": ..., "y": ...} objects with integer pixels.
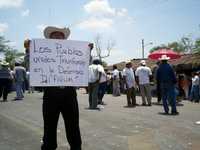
[{"x": 59, "y": 62}]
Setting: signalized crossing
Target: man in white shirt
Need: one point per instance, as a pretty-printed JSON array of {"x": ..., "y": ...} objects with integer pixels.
[
  {"x": 129, "y": 79},
  {"x": 195, "y": 87},
  {"x": 95, "y": 72},
  {"x": 143, "y": 74},
  {"x": 116, "y": 81}
]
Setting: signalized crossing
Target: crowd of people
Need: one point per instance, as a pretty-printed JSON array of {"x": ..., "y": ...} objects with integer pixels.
[
  {"x": 15, "y": 79},
  {"x": 129, "y": 81},
  {"x": 170, "y": 89}
]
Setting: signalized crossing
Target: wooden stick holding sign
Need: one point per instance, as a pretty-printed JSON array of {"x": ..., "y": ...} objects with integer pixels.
[{"x": 59, "y": 62}]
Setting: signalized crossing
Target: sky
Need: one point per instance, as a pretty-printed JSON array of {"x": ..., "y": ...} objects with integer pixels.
[{"x": 125, "y": 22}]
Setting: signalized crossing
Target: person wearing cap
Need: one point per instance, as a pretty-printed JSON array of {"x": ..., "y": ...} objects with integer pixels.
[
  {"x": 129, "y": 79},
  {"x": 116, "y": 81},
  {"x": 62, "y": 100},
  {"x": 5, "y": 80},
  {"x": 143, "y": 75},
  {"x": 20, "y": 78},
  {"x": 167, "y": 78}
]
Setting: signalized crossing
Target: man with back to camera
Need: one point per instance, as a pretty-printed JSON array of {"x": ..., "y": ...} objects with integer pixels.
[
  {"x": 116, "y": 81},
  {"x": 62, "y": 100},
  {"x": 129, "y": 78},
  {"x": 95, "y": 72},
  {"x": 143, "y": 75},
  {"x": 167, "y": 78}
]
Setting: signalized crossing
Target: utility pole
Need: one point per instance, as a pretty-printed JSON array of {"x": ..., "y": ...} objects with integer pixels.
[{"x": 142, "y": 48}]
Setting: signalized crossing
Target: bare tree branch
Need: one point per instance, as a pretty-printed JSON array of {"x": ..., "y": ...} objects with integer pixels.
[{"x": 99, "y": 47}]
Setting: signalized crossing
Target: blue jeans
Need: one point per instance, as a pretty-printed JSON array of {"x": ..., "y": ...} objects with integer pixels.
[
  {"x": 19, "y": 90},
  {"x": 194, "y": 94},
  {"x": 168, "y": 96}
]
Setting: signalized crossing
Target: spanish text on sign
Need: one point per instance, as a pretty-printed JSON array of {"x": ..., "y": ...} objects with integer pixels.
[{"x": 59, "y": 62}]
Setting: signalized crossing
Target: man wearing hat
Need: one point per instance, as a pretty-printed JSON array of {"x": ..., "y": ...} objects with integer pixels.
[
  {"x": 167, "y": 78},
  {"x": 116, "y": 81},
  {"x": 143, "y": 75},
  {"x": 62, "y": 100},
  {"x": 5, "y": 80},
  {"x": 129, "y": 79},
  {"x": 20, "y": 78}
]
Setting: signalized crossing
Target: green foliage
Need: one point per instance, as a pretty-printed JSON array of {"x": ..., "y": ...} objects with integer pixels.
[
  {"x": 10, "y": 53},
  {"x": 188, "y": 44},
  {"x": 176, "y": 46},
  {"x": 10, "y": 56},
  {"x": 158, "y": 47},
  {"x": 3, "y": 44},
  {"x": 197, "y": 46},
  {"x": 185, "y": 45}
]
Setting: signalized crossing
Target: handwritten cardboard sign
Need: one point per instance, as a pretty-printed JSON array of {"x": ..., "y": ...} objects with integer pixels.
[{"x": 59, "y": 62}]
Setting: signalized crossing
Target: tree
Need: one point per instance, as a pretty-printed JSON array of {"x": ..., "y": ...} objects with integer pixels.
[
  {"x": 10, "y": 53},
  {"x": 188, "y": 44},
  {"x": 3, "y": 44},
  {"x": 176, "y": 46},
  {"x": 103, "y": 51},
  {"x": 197, "y": 46},
  {"x": 185, "y": 45},
  {"x": 158, "y": 47}
]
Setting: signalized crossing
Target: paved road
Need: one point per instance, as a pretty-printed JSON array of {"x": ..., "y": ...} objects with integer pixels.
[{"x": 113, "y": 128}]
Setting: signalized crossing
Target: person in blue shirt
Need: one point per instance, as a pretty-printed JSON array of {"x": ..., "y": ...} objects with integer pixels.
[{"x": 167, "y": 78}]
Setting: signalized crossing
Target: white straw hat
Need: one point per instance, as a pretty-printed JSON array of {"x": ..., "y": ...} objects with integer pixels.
[
  {"x": 164, "y": 57},
  {"x": 50, "y": 29},
  {"x": 4, "y": 63}
]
